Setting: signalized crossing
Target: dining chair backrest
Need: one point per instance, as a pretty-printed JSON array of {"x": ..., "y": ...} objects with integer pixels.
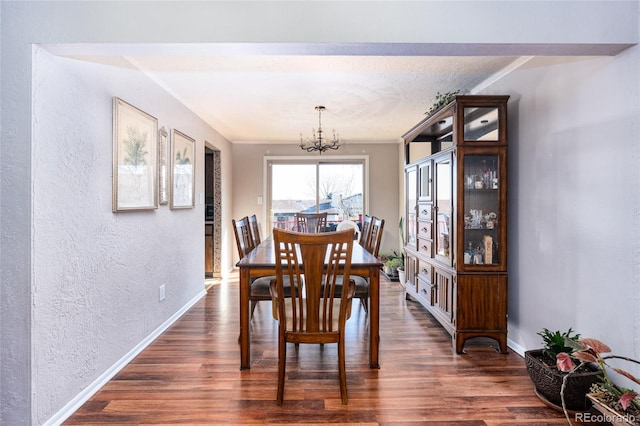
[
  {"x": 317, "y": 311},
  {"x": 366, "y": 230},
  {"x": 375, "y": 236},
  {"x": 311, "y": 222},
  {"x": 244, "y": 240},
  {"x": 255, "y": 230}
]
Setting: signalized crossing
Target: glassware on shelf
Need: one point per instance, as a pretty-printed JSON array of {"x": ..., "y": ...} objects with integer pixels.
[
  {"x": 468, "y": 254},
  {"x": 477, "y": 256},
  {"x": 476, "y": 218}
]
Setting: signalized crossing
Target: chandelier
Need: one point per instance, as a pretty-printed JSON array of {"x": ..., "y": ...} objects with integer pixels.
[{"x": 319, "y": 142}]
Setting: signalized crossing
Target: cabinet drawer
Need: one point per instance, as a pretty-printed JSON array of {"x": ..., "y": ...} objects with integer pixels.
[
  {"x": 425, "y": 247},
  {"x": 425, "y": 289},
  {"x": 425, "y": 229},
  {"x": 425, "y": 272},
  {"x": 425, "y": 211}
]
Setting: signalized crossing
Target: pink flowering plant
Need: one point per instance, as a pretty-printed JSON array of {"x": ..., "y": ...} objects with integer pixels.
[{"x": 590, "y": 350}]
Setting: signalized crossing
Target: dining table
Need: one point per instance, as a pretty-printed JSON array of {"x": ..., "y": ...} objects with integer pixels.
[{"x": 260, "y": 262}]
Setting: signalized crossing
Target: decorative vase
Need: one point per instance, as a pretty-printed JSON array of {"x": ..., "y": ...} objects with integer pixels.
[
  {"x": 402, "y": 277},
  {"x": 547, "y": 381}
]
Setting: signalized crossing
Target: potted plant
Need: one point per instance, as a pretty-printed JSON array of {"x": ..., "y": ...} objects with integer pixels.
[
  {"x": 401, "y": 275},
  {"x": 619, "y": 405},
  {"x": 547, "y": 378},
  {"x": 384, "y": 258},
  {"x": 392, "y": 265},
  {"x": 391, "y": 262},
  {"x": 442, "y": 99}
]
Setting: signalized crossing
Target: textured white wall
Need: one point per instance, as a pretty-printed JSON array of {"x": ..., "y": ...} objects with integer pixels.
[
  {"x": 574, "y": 199},
  {"x": 96, "y": 273}
]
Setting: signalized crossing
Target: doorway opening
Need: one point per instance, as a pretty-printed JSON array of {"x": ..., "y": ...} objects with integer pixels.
[{"x": 212, "y": 214}]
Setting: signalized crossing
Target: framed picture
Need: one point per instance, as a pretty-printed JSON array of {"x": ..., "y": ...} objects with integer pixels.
[
  {"x": 135, "y": 158},
  {"x": 183, "y": 177},
  {"x": 163, "y": 169}
]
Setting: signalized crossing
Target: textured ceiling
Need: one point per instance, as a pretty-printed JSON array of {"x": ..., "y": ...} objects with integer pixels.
[
  {"x": 267, "y": 93},
  {"x": 272, "y": 98}
]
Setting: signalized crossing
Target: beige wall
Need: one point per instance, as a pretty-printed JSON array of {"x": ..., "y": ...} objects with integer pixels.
[{"x": 384, "y": 181}]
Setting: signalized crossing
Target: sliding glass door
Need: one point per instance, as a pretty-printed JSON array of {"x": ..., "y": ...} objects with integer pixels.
[{"x": 314, "y": 186}]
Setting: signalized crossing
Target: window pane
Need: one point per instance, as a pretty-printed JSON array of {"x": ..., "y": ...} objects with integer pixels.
[
  {"x": 293, "y": 189},
  {"x": 340, "y": 192},
  {"x": 314, "y": 186}
]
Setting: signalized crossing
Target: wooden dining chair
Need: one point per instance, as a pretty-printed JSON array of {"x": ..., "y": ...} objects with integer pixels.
[
  {"x": 372, "y": 246},
  {"x": 315, "y": 312},
  {"x": 375, "y": 236},
  {"x": 311, "y": 222},
  {"x": 255, "y": 230},
  {"x": 244, "y": 240},
  {"x": 366, "y": 230},
  {"x": 259, "y": 290}
]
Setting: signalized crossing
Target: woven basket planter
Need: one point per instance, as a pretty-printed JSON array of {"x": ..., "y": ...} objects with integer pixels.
[{"x": 548, "y": 382}]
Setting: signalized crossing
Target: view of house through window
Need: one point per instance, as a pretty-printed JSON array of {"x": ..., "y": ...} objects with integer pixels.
[{"x": 334, "y": 187}]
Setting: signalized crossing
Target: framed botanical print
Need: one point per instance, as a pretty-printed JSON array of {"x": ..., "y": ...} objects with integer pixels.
[
  {"x": 183, "y": 177},
  {"x": 135, "y": 158}
]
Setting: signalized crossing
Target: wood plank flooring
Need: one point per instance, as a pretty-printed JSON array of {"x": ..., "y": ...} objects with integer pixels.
[{"x": 191, "y": 375}]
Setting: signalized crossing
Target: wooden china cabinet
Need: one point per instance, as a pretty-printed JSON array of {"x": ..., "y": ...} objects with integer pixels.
[{"x": 456, "y": 217}]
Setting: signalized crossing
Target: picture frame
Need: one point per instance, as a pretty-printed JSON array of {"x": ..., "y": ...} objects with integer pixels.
[
  {"x": 163, "y": 168},
  {"x": 135, "y": 158},
  {"x": 183, "y": 177}
]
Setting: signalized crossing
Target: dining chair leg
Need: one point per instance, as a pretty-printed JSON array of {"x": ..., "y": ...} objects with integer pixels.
[
  {"x": 342, "y": 371},
  {"x": 254, "y": 303},
  {"x": 282, "y": 357}
]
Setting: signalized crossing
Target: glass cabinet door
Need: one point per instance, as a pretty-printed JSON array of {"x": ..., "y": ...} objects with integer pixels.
[
  {"x": 424, "y": 187},
  {"x": 481, "y": 207},
  {"x": 481, "y": 124},
  {"x": 443, "y": 209},
  {"x": 411, "y": 207}
]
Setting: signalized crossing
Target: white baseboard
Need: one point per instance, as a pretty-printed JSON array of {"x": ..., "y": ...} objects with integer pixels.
[
  {"x": 515, "y": 347},
  {"x": 104, "y": 378}
]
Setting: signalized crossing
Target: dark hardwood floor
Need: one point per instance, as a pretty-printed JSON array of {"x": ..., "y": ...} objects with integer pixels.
[{"x": 191, "y": 375}]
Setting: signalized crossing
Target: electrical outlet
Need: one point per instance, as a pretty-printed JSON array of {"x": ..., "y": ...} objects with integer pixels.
[{"x": 161, "y": 293}]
